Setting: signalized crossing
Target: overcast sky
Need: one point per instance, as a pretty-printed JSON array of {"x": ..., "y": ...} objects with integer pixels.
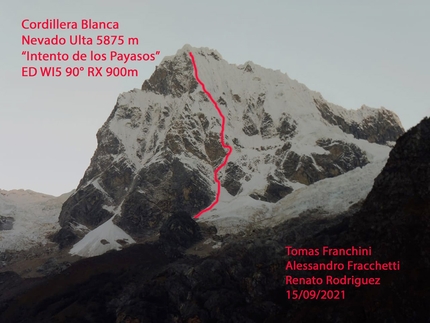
[{"x": 352, "y": 52}]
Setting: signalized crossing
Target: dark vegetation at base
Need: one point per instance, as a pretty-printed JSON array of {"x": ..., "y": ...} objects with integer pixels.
[
  {"x": 82, "y": 290},
  {"x": 244, "y": 281},
  {"x": 158, "y": 283}
]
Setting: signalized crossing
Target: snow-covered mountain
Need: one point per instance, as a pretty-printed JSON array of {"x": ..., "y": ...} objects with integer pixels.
[
  {"x": 27, "y": 218},
  {"x": 163, "y": 282},
  {"x": 292, "y": 150}
]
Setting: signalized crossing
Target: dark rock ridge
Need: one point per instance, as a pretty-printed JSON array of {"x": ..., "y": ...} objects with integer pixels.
[
  {"x": 157, "y": 150},
  {"x": 245, "y": 280},
  {"x": 52, "y": 266},
  {"x": 395, "y": 221}
]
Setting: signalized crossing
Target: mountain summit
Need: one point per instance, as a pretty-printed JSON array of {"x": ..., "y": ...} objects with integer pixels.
[{"x": 160, "y": 145}]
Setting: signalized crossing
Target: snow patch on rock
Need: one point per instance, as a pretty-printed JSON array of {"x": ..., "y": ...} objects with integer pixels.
[{"x": 102, "y": 239}]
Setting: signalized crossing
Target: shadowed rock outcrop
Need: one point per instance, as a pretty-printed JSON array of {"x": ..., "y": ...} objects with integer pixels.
[
  {"x": 180, "y": 230},
  {"x": 6, "y": 222}
]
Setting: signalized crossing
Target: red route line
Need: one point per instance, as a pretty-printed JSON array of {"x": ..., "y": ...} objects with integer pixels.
[{"x": 229, "y": 148}]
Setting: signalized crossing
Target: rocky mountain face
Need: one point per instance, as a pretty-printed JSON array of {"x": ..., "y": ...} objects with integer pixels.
[
  {"x": 157, "y": 150},
  {"x": 244, "y": 281},
  {"x": 381, "y": 127}
]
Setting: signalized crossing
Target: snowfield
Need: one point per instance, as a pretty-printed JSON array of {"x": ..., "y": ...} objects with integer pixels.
[
  {"x": 331, "y": 195},
  {"x": 102, "y": 239},
  {"x": 35, "y": 215}
]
